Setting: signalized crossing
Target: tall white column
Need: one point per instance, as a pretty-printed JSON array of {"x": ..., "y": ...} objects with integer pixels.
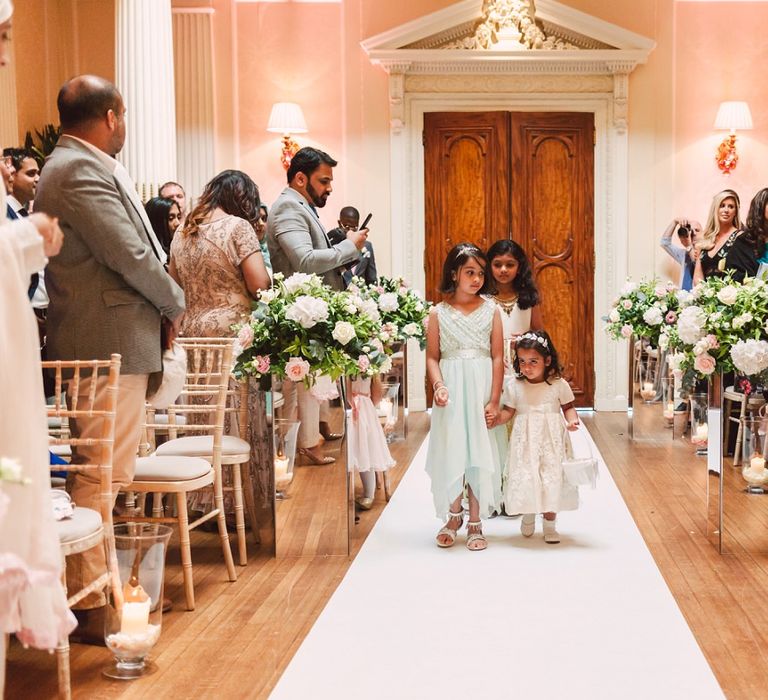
[
  {"x": 195, "y": 124},
  {"x": 145, "y": 79}
]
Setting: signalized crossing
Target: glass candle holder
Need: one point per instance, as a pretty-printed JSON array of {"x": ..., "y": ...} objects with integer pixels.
[
  {"x": 388, "y": 409},
  {"x": 754, "y": 446},
  {"x": 134, "y": 611},
  {"x": 668, "y": 400},
  {"x": 699, "y": 424},
  {"x": 648, "y": 388},
  {"x": 285, "y": 433}
]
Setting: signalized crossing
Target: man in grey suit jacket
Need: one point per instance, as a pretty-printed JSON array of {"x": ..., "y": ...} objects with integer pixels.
[
  {"x": 298, "y": 243},
  {"x": 108, "y": 287}
]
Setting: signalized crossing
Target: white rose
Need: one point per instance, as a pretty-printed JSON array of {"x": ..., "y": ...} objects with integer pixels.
[
  {"x": 750, "y": 356},
  {"x": 10, "y": 469},
  {"x": 742, "y": 320},
  {"x": 369, "y": 308},
  {"x": 267, "y": 295},
  {"x": 343, "y": 332},
  {"x": 296, "y": 281},
  {"x": 419, "y": 306},
  {"x": 727, "y": 295},
  {"x": 614, "y": 316},
  {"x": 628, "y": 288},
  {"x": 386, "y": 366},
  {"x": 307, "y": 311},
  {"x": 388, "y": 302},
  {"x": 675, "y": 360},
  {"x": 663, "y": 341},
  {"x": 690, "y": 324},
  {"x": 411, "y": 329},
  {"x": 683, "y": 297},
  {"x": 653, "y": 316}
]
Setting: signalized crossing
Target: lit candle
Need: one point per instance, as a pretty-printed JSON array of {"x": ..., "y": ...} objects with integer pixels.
[
  {"x": 135, "y": 618},
  {"x": 281, "y": 467},
  {"x": 701, "y": 434},
  {"x": 757, "y": 465},
  {"x": 647, "y": 391}
]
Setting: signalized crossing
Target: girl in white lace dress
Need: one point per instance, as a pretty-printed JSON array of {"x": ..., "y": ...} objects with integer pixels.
[
  {"x": 466, "y": 367},
  {"x": 368, "y": 449},
  {"x": 538, "y": 444}
]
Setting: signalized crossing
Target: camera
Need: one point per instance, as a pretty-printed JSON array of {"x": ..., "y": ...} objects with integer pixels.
[{"x": 685, "y": 231}]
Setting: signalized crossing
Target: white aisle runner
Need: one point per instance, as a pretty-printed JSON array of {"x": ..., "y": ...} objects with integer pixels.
[{"x": 588, "y": 618}]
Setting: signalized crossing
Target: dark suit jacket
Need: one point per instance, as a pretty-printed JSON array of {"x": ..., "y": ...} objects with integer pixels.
[
  {"x": 365, "y": 267},
  {"x": 107, "y": 288}
]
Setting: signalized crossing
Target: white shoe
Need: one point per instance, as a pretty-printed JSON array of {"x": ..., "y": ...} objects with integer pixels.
[
  {"x": 528, "y": 524},
  {"x": 551, "y": 536}
]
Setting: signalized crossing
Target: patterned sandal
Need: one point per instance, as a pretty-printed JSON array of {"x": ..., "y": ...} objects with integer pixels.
[
  {"x": 450, "y": 532},
  {"x": 477, "y": 537}
]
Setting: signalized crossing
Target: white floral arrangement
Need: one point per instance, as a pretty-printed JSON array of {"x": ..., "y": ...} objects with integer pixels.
[
  {"x": 301, "y": 329},
  {"x": 645, "y": 309},
  {"x": 723, "y": 326},
  {"x": 403, "y": 310}
]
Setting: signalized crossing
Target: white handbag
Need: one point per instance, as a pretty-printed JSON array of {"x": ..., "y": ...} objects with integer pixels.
[
  {"x": 172, "y": 382},
  {"x": 581, "y": 471}
]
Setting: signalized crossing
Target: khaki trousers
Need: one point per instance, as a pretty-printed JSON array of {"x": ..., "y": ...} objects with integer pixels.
[{"x": 84, "y": 568}]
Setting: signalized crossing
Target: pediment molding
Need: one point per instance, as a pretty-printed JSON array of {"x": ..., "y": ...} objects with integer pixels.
[{"x": 428, "y": 44}]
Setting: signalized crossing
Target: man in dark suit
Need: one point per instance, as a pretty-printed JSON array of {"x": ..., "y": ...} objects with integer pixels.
[
  {"x": 25, "y": 178},
  {"x": 108, "y": 288},
  {"x": 365, "y": 267}
]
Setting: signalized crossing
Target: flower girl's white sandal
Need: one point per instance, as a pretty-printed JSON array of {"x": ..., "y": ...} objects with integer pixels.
[
  {"x": 528, "y": 524},
  {"x": 476, "y": 537},
  {"x": 449, "y": 531}
]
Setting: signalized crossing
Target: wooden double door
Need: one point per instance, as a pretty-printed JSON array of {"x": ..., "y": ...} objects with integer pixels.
[{"x": 528, "y": 177}]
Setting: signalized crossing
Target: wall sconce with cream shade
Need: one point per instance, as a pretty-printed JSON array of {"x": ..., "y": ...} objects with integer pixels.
[
  {"x": 731, "y": 116},
  {"x": 286, "y": 118}
]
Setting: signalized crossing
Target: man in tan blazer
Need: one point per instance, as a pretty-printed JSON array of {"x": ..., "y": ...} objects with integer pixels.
[
  {"x": 298, "y": 242},
  {"x": 108, "y": 287}
]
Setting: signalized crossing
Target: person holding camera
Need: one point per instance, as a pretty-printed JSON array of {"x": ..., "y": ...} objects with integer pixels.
[{"x": 687, "y": 231}]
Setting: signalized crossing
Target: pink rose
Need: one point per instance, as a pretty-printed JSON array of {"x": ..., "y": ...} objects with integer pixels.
[
  {"x": 704, "y": 363},
  {"x": 671, "y": 317},
  {"x": 627, "y": 304},
  {"x": 245, "y": 337},
  {"x": 262, "y": 363},
  {"x": 712, "y": 342},
  {"x": 626, "y": 331},
  {"x": 296, "y": 369},
  {"x": 363, "y": 363}
]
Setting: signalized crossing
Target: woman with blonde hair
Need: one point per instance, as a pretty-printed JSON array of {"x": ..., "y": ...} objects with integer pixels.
[{"x": 720, "y": 232}]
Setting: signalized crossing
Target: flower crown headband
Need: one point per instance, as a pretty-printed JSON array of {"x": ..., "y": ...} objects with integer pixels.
[
  {"x": 468, "y": 250},
  {"x": 537, "y": 338}
]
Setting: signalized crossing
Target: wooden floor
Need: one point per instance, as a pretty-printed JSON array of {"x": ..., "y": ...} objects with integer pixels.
[{"x": 242, "y": 635}]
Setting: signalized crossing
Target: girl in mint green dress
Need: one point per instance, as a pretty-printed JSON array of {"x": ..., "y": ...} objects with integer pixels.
[{"x": 465, "y": 365}]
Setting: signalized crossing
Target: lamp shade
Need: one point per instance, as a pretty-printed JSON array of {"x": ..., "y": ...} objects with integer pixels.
[
  {"x": 733, "y": 116},
  {"x": 286, "y": 118}
]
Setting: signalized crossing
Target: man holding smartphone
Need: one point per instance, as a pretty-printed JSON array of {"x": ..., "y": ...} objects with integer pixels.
[
  {"x": 349, "y": 220},
  {"x": 298, "y": 242},
  {"x": 687, "y": 231}
]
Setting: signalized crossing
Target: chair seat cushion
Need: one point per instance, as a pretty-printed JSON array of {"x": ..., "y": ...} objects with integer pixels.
[
  {"x": 175, "y": 468},
  {"x": 61, "y": 450},
  {"x": 202, "y": 446},
  {"x": 162, "y": 419},
  {"x": 84, "y": 522}
]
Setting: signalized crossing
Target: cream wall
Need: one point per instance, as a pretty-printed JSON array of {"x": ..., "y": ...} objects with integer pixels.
[{"x": 310, "y": 53}]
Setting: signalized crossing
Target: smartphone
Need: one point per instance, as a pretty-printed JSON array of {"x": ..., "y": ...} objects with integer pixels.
[{"x": 365, "y": 222}]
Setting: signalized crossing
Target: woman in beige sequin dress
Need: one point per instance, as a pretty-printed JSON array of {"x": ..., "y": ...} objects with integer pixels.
[{"x": 216, "y": 258}]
